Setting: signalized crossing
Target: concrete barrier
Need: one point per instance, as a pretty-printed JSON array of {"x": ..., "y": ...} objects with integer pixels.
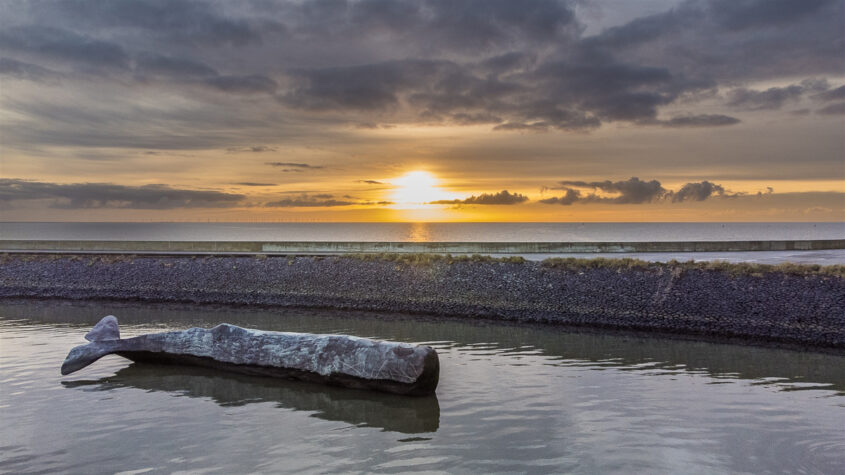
[{"x": 340, "y": 247}]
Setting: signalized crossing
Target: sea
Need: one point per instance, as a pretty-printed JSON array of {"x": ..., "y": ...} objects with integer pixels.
[
  {"x": 423, "y": 232},
  {"x": 466, "y": 232}
]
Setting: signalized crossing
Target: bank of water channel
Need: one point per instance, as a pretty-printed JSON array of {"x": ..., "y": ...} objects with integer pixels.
[{"x": 512, "y": 398}]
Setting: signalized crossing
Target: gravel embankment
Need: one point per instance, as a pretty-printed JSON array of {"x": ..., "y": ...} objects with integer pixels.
[{"x": 775, "y": 306}]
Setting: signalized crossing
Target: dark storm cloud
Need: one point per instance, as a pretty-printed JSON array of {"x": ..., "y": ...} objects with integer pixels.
[
  {"x": 365, "y": 87},
  {"x": 463, "y": 118},
  {"x": 611, "y": 89},
  {"x": 512, "y": 90},
  {"x": 744, "y": 14},
  {"x": 172, "y": 67},
  {"x": 774, "y": 97},
  {"x": 253, "y": 84},
  {"x": 574, "y": 94},
  {"x": 486, "y": 23},
  {"x": 514, "y": 66},
  {"x": 469, "y": 25},
  {"x": 503, "y": 197},
  {"x": 108, "y": 195},
  {"x": 63, "y": 46},
  {"x": 642, "y": 30},
  {"x": 735, "y": 39},
  {"x": 196, "y": 22},
  {"x": 48, "y": 121},
  {"x": 508, "y": 62},
  {"x": 833, "y": 95},
  {"x": 636, "y": 191}
]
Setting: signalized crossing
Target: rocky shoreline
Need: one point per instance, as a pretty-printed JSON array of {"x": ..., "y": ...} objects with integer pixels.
[{"x": 799, "y": 305}]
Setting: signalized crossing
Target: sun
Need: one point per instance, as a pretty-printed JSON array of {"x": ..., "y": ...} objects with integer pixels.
[{"x": 417, "y": 188}]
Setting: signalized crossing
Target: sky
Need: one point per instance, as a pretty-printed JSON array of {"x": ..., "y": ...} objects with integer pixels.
[{"x": 422, "y": 110}]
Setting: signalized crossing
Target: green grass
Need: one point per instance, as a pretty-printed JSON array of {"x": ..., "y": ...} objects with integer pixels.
[
  {"x": 745, "y": 268},
  {"x": 580, "y": 263},
  {"x": 621, "y": 264},
  {"x": 426, "y": 258},
  {"x": 734, "y": 269},
  {"x": 569, "y": 264}
]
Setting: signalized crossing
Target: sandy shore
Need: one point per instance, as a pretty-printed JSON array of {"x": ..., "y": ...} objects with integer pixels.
[{"x": 794, "y": 305}]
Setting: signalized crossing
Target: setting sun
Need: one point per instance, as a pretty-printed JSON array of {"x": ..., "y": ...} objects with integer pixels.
[{"x": 416, "y": 188}]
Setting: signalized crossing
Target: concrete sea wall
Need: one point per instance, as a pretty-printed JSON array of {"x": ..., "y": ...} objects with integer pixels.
[
  {"x": 804, "y": 307},
  {"x": 330, "y": 248}
]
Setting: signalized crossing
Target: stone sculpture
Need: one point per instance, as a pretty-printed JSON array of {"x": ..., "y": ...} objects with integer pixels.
[{"x": 340, "y": 360}]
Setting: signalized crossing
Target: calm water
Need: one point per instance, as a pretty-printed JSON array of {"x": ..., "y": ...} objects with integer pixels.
[
  {"x": 511, "y": 399},
  {"x": 490, "y": 232}
]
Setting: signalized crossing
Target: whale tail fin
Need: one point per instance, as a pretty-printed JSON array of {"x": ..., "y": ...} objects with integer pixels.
[{"x": 105, "y": 330}]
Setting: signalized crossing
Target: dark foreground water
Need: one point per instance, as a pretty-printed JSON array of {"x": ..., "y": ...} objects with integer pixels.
[{"x": 511, "y": 399}]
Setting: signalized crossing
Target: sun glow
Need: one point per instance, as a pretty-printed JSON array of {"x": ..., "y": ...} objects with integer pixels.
[{"x": 416, "y": 188}]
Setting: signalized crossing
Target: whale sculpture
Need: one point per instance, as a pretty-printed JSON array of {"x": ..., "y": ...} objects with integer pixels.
[{"x": 340, "y": 360}]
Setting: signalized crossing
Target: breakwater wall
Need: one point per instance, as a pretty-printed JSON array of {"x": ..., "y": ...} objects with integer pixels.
[
  {"x": 330, "y": 248},
  {"x": 804, "y": 306}
]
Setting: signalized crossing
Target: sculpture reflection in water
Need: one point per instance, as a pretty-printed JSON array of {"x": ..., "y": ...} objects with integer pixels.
[{"x": 388, "y": 412}]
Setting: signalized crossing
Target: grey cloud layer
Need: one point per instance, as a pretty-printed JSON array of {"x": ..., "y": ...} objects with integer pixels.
[
  {"x": 503, "y": 197},
  {"x": 253, "y": 149},
  {"x": 518, "y": 66},
  {"x": 635, "y": 191},
  {"x": 833, "y": 109},
  {"x": 158, "y": 197},
  {"x": 321, "y": 200},
  {"x": 775, "y": 97},
  {"x": 307, "y": 202},
  {"x": 108, "y": 195},
  {"x": 301, "y": 166},
  {"x": 702, "y": 120},
  {"x": 26, "y": 71},
  {"x": 632, "y": 191}
]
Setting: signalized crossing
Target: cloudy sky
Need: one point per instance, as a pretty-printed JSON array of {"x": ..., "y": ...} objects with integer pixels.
[{"x": 372, "y": 110}]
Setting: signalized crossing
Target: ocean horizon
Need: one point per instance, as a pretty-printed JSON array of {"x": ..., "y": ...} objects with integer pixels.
[{"x": 422, "y": 232}]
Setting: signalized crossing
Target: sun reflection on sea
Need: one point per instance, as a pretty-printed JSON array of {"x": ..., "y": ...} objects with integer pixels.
[{"x": 419, "y": 232}]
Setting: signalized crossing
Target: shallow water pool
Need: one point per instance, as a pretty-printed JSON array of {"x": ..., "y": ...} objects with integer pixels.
[{"x": 534, "y": 399}]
